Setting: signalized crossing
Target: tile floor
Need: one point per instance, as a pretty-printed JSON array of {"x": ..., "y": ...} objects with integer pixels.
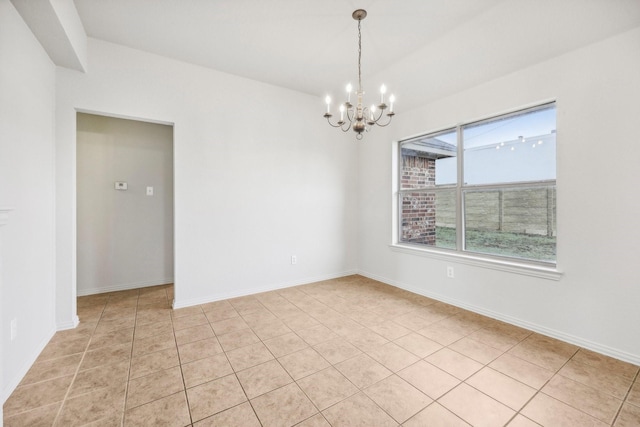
[{"x": 344, "y": 352}]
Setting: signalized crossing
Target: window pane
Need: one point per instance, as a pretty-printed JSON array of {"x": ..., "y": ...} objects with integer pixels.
[
  {"x": 429, "y": 218},
  {"x": 518, "y": 222},
  {"x": 428, "y": 161},
  {"x": 515, "y": 148}
]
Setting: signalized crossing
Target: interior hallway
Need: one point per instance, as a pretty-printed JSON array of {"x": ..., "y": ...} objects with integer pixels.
[{"x": 349, "y": 351}]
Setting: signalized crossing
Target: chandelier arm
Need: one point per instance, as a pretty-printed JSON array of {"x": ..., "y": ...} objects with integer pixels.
[
  {"x": 388, "y": 122},
  {"x": 329, "y": 121}
]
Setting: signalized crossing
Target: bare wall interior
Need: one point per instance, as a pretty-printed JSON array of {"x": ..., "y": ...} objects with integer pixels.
[{"x": 124, "y": 204}]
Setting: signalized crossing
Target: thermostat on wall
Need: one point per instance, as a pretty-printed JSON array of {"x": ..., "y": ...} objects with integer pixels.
[{"x": 121, "y": 185}]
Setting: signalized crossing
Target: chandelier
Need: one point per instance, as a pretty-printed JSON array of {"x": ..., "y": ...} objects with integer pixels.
[{"x": 357, "y": 116}]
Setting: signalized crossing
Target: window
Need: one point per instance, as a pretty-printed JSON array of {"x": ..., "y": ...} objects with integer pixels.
[{"x": 487, "y": 187}]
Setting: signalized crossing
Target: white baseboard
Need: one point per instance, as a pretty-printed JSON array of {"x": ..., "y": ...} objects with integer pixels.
[
  {"x": 257, "y": 290},
  {"x": 68, "y": 325},
  {"x": 123, "y": 286},
  {"x": 14, "y": 381},
  {"x": 553, "y": 333}
]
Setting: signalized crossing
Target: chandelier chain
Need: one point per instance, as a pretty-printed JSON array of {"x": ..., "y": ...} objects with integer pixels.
[{"x": 359, "y": 56}]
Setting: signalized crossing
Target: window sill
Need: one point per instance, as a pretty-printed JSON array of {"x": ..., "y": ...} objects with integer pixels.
[{"x": 542, "y": 272}]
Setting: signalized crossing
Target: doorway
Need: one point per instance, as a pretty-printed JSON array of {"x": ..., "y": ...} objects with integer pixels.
[{"x": 124, "y": 204}]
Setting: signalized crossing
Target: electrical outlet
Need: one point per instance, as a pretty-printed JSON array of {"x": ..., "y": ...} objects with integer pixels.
[
  {"x": 14, "y": 329},
  {"x": 294, "y": 259},
  {"x": 450, "y": 273}
]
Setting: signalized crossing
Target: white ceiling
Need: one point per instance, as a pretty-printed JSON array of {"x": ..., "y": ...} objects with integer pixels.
[{"x": 311, "y": 45}]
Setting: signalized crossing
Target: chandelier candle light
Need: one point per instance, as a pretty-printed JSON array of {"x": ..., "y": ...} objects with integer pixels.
[{"x": 358, "y": 117}]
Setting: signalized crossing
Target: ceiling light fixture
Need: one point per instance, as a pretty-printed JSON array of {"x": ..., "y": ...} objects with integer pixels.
[{"x": 358, "y": 117}]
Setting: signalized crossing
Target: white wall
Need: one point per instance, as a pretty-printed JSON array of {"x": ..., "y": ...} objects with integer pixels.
[
  {"x": 595, "y": 304},
  {"x": 125, "y": 237},
  {"x": 27, "y": 88},
  {"x": 259, "y": 176}
]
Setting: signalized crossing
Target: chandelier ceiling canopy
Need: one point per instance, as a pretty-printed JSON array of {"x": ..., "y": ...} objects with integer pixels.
[{"x": 359, "y": 117}]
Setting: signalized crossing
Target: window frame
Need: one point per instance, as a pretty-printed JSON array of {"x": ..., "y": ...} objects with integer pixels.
[{"x": 543, "y": 269}]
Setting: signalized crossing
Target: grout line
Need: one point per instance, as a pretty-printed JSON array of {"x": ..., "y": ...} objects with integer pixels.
[{"x": 626, "y": 396}]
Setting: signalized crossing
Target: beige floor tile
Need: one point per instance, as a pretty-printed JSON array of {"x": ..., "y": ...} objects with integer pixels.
[
  {"x": 336, "y": 350},
  {"x": 440, "y": 335},
  {"x": 251, "y": 355},
  {"x": 151, "y": 329},
  {"x": 398, "y": 398},
  {"x": 259, "y": 317},
  {"x": 284, "y": 406},
  {"x": 358, "y": 410},
  {"x": 366, "y": 340},
  {"x": 153, "y": 313},
  {"x": 189, "y": 321},
  {"x": 199, "y": 350},
  {"x": 154, "y": 386},
  {"x": 100, "y": 377},
  {"x": 629, "y": 416},
  {"x": 55, "y": 349},
  {"x": 362, "y": 370},
  {"x": 393, "y": 357},
  {"x": 432, "y": 381},
  {"x": 217, "y": 306},
  {"x": 263, "y": 378},
  {"x": 92, "y": 406},
  {"x": 40, "y": 416},
  {"x": 521, "y": 370},
  {"x": 205, "y": 370},
  {"x": 186, "y": 311},
  {"x": 412, "y": 320},
  {"x": 634, "y": 394},
  {"x": 120, "y": 336},
  {"x": 31, "y": 396},
  {"x": 221, "y": 313},
  {"x": 461, "y": 323},
  {"x": 115, "y": 324},
  {"x": 327, "y": 387},
  {"x": 597, "y": 378},
  {"x": 547, "y": 411},
  {"x": 522, "y": 421},
  {"x": 590, "y": 400},
  {"x": 614, "y": 366},
  {"x": 454, "y": 363},
  {"x": 435, "y": 415},
  {"x": 476, "y": 350},
  {"x": 52, "y": 368},
  {"x": 546, "y": 352},
  {"x": 502, "y": 388},
  {"x": 317, "y": 420},
  {"x": 495, "y": 338},
  {"x": 170, "y": 411},
  {"x": 195, "y": 333},
  {"x": 303, "y": 363},
  {"x": 418, "y": 344},
  {"x": 152, "y": 362},
  {"x": 226, "y": 326},
  {"x": 237, "y": 339},
  {"x": 390, "y": 330},
  {"x": 317, "y": 334},
  {"x": 285, "y": 344},
  {"x": 475, "y": 407},
  {"x": 152, "y": 344},
  {"x": 238, "y": 416},
  {"x": 271, "y": 329},
  {"x": 246, "y": 304},
  {"x": 215, "y": 396},
  {"x": 106, "y": 356},
  {"x": 300, "y": 321}
]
